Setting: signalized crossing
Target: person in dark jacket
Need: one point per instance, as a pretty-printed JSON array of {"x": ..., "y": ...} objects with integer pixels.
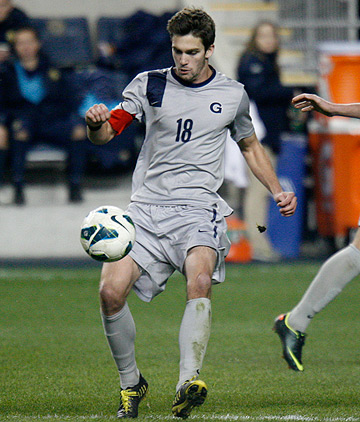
[
  {"x": 258, "y": 70},
  {"x": 39, "y": 106},
  {"x": 11, "y": 19}
]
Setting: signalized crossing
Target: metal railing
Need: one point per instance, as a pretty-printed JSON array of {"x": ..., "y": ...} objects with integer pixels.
[{"x": 312, "y": 22}]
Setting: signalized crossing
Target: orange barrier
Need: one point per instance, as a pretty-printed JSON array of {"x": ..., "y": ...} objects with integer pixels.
[
  {"x": 241, "y": 250},
  {"x": 336, "y": 166},
  {"x": 335, "y": 142},
  {"x": 339, "y": 65}
]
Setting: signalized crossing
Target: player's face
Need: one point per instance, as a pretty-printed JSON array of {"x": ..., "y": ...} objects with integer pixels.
[
  {"x": 26, "y": 45},
  {"x": 191, "y": 59}
]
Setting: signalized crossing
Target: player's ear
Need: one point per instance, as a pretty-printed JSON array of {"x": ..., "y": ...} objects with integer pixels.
[{"x": 209, "y": 52}]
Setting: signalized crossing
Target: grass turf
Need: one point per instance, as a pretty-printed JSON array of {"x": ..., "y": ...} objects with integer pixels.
[{"x": 56, "y": 366}]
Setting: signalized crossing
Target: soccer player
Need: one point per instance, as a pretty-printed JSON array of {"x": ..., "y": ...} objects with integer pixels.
[
  {"x": 335, "y": 273},
  {"x": 188, "y": 110}
]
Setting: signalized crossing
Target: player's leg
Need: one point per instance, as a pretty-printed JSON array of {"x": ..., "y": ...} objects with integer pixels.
[
  {"x": 333, "y": 276},
  {"x": 117, "y": 279},
  {"x": 356, "y": 241},
  {"x": 194, "y": 330}
]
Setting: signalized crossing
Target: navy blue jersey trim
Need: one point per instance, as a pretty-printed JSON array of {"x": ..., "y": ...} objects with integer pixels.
[
  {"x": 155, "y": 88},
  {"x": 191, "y": 84}
]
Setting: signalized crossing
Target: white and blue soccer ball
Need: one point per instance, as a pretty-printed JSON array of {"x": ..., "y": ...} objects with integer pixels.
[{"x": 107, "y": 234}]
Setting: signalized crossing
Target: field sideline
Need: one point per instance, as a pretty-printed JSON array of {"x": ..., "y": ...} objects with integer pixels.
[
  {"x": 56, "y": 365},
  {"x": 206, "y": 417}
]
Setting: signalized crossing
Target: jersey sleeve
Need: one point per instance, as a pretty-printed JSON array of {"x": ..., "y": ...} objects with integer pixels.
[
  {"x": 242, "y": 126},
  {"x": 133, "y": 97}
]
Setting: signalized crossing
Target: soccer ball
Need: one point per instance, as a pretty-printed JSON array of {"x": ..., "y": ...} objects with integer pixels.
[{"x": 107, "y": 234}]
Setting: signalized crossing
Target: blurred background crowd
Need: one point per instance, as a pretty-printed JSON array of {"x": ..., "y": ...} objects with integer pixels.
[{"x": 58, "y": 58}]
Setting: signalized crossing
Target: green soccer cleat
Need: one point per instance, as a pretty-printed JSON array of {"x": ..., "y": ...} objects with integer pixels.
[
  {"x": 191, "y": 394},
  {"x": 130, "y": 399},
  {"x": 292, "y": 342}
]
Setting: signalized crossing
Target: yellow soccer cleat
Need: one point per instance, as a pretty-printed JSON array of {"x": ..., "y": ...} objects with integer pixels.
[{"x": 191, "y": 394}]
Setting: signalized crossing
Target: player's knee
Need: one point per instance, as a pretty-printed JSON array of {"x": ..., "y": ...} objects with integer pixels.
[
  {"x": 112, "y": 299},
  {"x": 200, "y": 287}
]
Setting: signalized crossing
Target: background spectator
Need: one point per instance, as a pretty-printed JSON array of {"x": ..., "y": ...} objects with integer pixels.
[
  {"x": 11, "y": 18},
  {"x": 39, "y": 106},
  {"x": 259, "y": 71}
]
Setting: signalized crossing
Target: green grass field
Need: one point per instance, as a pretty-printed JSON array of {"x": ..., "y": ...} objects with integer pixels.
[{"x": 56, "y": 365}]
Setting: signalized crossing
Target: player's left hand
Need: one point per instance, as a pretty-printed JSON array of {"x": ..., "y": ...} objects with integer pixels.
[{"x": 287, "y": 202}]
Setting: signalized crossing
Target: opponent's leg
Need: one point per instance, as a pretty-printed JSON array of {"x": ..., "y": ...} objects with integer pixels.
[
  {"x": 333, "y": 276},
  {"x": 331, "y": 279}
]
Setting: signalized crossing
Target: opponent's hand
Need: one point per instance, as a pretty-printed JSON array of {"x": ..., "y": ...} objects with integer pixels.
[
  {"x": 287, "y": 202},
  {"x": 97, "y": 115},
  {"x": 312, "y": 102}
]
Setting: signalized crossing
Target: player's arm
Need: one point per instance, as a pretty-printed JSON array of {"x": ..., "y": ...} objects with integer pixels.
[
  {"x": 260, "y": 165},
  {"x": 312, "y": 102}
]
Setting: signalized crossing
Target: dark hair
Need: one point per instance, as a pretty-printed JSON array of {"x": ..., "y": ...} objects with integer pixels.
[{"x": 193, "y": 21}]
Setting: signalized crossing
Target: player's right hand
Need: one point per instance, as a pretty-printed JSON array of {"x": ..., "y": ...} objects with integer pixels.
[
  {"x": 287, "y": 202},
  {"x": 97, "y": 115}
]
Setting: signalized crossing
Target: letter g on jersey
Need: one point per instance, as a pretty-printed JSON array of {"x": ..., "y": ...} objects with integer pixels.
[{"x": 216, "y": 107}]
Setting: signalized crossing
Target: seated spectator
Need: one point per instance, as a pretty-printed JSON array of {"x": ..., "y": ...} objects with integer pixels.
[
  {"x": 11, "y": 19},
  {"x": 38, "y": 105}
]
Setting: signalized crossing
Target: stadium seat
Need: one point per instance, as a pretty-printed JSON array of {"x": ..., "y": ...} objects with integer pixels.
[
  {"x": 127, "y": 35},
  {"x": 65, "y": 40},
  {"x": 111, "y": 30}
]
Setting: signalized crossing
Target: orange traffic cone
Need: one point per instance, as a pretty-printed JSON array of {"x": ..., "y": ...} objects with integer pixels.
[{"x": 241, "y": 250}]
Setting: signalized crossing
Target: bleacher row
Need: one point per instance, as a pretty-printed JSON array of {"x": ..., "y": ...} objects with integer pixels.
[
  {"x": 100, "y": 68},
  {"x": 141, "y": 36}
]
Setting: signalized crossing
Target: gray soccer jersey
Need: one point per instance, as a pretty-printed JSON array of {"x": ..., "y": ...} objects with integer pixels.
[{"x": 182, "y": 157}]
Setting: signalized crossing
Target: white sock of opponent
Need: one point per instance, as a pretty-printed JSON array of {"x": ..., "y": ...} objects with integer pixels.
[
  {"x": 193, "y": 337},
  {"x": 332, "y": 277},
  {"x": 120, "y": 332}
]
